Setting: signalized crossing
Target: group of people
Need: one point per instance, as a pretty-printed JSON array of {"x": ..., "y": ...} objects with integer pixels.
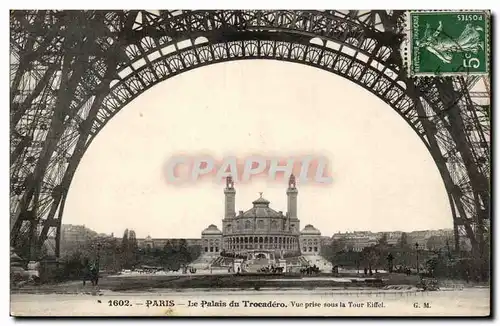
[{"x": 91, "y": 273}]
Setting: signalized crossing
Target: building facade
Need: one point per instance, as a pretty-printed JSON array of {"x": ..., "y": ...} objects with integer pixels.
[
  {"x": 149, "y": 242},
  {"x": 260, "y": 228},
  {"x": 310, "y": 240},
  {"x": 211, "y": 241},
  {"x": 358, "y": 240}
]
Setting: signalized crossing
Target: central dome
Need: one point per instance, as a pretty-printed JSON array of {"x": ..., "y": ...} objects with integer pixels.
[
  {"x": 311, "y": 230},
  {"x": 261, "y": 209},
  {"x": 261, "y": 202},
  {"x": 211, "y": 229}
]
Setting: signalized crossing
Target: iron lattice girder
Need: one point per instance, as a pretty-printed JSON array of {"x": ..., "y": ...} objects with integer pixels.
[
  {"x": 438, "y": 121},
  {"x": 128, "y": 52},
  {"x": 139, "y": 76}
]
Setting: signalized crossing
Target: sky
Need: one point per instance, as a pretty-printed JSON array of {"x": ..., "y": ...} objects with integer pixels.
[{"x": 383, "y": 177}]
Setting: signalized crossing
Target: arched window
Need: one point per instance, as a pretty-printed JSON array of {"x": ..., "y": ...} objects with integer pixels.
[
  {"x": 274, "y": 225},
  {"x": 248, "y": 225},
  {"x": 260, "y": 224}
]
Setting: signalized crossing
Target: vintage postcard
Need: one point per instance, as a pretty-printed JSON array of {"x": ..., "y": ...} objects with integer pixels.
[{"x": 185, "y": 163}]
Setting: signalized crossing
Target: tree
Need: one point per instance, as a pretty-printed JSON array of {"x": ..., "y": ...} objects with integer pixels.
[
  {"x": 110, "y": 254},
  {"x": 338, "y": 245},
  {"x": 72, "y": 267},
  {"x": 403, "y": 241},
  {"x": 132, "y": 249},
  {"x": 168, "y": 248},
  {"x": 44, "y": 251},
  {"x": 379, "y": 251},
  {"x": 128, "y": 248},
  {"x": 184, "y": 255},
  {"x": 194, "y": 252},
  {"x": 435, "y": 243},
  {"x": 132, "y": 239},
  {"x": 432, "y": 264},
  {"x": 23, "y": 245},
  {"x": 168, "y": 254},
  {"x": 383, "y": 240},
  {"x": 334, "y": 251},
  {"x": 371, "y": 256},
  {"x": 125, "y": 240},
  {"x": 390, "y": 259}
]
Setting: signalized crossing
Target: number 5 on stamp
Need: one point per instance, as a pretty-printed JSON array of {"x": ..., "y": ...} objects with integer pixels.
[{"x": 448, "y": 43}]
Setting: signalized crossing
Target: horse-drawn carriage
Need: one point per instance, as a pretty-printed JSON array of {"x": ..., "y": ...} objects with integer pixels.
[
  {"x": 309, "y": 270},
  {"x": 271, "y": 270}
]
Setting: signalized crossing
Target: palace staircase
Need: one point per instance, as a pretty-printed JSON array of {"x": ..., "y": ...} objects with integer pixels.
[
  {"x": 222, "y": 262},
  {"x": 203, "y": 261},
  {"x": 320, "y": 262},
  {"x": 255, "y": 265}
]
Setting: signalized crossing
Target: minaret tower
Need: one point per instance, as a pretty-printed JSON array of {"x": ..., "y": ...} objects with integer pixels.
[
  {"x": 292, "y": 193},
  {"x": 293, "y": 223},
  {"x": 230, "y": 202}
]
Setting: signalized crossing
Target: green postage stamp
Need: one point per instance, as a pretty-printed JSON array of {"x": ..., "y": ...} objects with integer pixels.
[{"x": 447, "y": 43}]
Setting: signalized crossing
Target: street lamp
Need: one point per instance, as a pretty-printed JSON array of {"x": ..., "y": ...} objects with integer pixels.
[{"x": 416, "y": 248}]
